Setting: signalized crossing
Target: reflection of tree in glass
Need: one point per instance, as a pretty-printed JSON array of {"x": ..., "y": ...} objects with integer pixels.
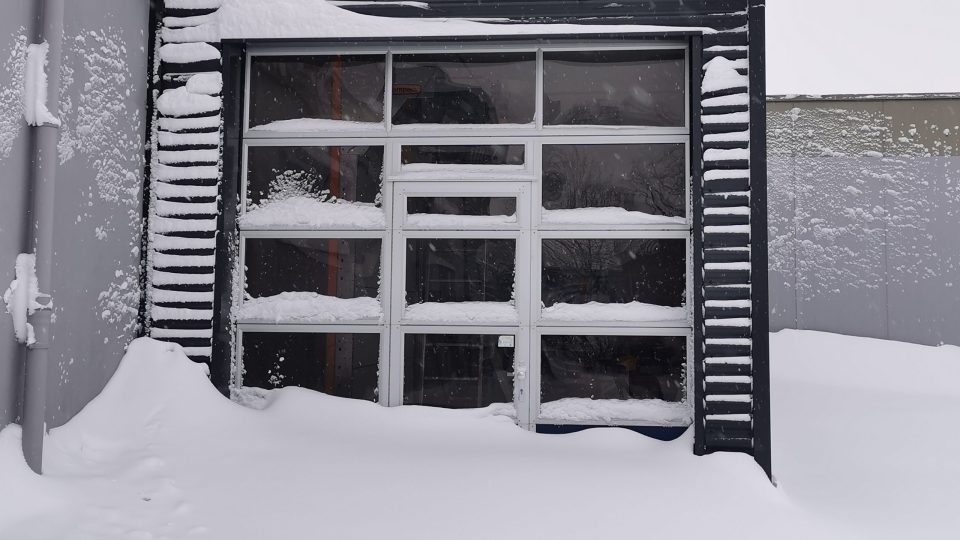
[
  {"x": 577, "y": 271},
  {"x": 642, "y": 178}
]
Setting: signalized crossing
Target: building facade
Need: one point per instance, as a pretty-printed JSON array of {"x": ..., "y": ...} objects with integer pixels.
[{"x": 560, "y": 214}]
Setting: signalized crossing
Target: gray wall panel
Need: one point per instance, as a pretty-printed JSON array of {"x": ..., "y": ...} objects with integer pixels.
[
  {"x": 97, "y": 232},
  {"x": 98, "y": 198},
  {"x": 865, "y": 198}
]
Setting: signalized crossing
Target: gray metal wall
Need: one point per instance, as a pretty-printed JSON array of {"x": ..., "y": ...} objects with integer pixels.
[
  {"x": 865, "y": 217},
  {"x": 96, "y": 291}
]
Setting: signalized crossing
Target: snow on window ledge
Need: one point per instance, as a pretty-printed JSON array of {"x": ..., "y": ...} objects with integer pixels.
[
  {"x": 610, "y": 411},
  {"x": 308, "y": 308},
  {"x": 302, "y": 213},
  {"x": 629, "y": 312},
  {"x": 462, "y": 312},
  {"x": 306, "y": 125}
]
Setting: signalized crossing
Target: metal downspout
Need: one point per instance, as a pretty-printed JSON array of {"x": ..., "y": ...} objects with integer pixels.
[{"x": 43, "y": 174}]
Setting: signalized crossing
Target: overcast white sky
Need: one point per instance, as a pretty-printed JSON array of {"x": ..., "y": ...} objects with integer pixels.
[{"x": 863, "y": 46}]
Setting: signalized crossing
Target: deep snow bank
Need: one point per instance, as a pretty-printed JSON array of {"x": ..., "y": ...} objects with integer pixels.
[{"x": 161, "y": 454}]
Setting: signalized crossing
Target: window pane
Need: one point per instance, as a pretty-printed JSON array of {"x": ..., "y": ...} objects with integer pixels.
[
  {"x": 456, "y": 371},
  {"x": 612, "y": 367},
  {"x": 473, "y": 88},
  {"x": 499, "y": 154},
  {"x": 463, "y": 206},
  {"x": 646, "y": 178},
  {"x": 638, "y": 88},
  {"x": 577, "y": 271},
  {"x": 345, "y": 268},
  {"x": 351, "y": 173},
  {"x": 341, "y": 87},
  {"x": 460, "y": 270},
  {"x": 343, "y": 365}
]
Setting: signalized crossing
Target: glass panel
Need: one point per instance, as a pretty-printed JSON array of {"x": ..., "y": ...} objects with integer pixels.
[
  {"x": 473, "y": 88},
  {"x": 463, "y": 206},
  {"x": 344, "y": 365},
  {"x": 460, "y": 270},
  {"x": 646, "y": 178},
  {"x": 612, "y": 367},
  {"x": 351, "y": 173},
  {"x": 618, "y": 88},
  {"x": 456, "y": 371},
  {"x": 345, "y": 268},
  {"x": 499, "y": 154},
  {"x": 320, "y": 87},
  {"x": 577, "y": 271}
]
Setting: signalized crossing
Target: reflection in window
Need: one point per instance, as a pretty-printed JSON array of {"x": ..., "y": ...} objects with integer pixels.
[
  {"x": 343, "y": 365},
  {"x": 612, "y": 367},
  {"x": 463, "y": 206},
  {"x": 620, "y": 88},
  {"x": 351, "y": 173},
  {"x": 577, "y": 271},
  {"x": 500, "y": 154},
  {"x": 345, "y": 268},
  {"x": 460, "y": 270},
  {"x": 472, "y": 88},
  {"x": 335, "y": 87},
  {"x": 456, "y": 371},
  {"x": 646, "y": 178}
]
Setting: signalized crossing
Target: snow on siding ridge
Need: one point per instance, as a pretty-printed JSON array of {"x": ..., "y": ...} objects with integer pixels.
[
  {"x": 726, "y": 154},
  {"x": 158, "y": 313},
  {"x": 168, "y": 139},
  {"x": 308, "y": 307},
  {"x": 729, "y": 118},
  {"x": 462, "y": 312},
  {"x": 726, "y": 174},
  {"x": 166, "y": 172},
  {"x": 728, "y": 360},
  {"x": 165, "y": 190},
  {"x": 729, "y": 417},
  {"x": 735, "y": 136},
  {"x": 167, "y": 208},
  {"x": 727, "y": 101},
  {"x": 158, "y": 277},
  {"x": 181, "y": 332},
  {"x": 655, "y": 411},
  {"x": 728, "y": 303},
  {"x": 182, "y": 102},
  {"x": 727, "y": 266},
  {"x": 203, "y": 32},
  {"x": 188, "y": 156},
  {"x": 721, "y": 74},
  {"x": 735, "y": 379},
  {"x": 164, "y": 295},
  {"x": 205, "y": 83},
  {"x": 320, "y": 19},
  {"x": 627, "y": 312},
  {"x": 181, "y": 124},
  {"x": 35, "y": 110},
  {"x": 185, "y": 53},
  {"x": 727, "y": 229},
  {"x": 736, "y": 398},
  {"x": 167, "y": 225},
  {"x": 165, "y": 243},
  {"x": 737, "y": 322},
  {"x": 728, "y": 211},
  {"x": 166, "y": 260}
]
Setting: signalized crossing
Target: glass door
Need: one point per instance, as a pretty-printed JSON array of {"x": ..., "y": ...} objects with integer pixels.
[{"x": 461, "y": 295}]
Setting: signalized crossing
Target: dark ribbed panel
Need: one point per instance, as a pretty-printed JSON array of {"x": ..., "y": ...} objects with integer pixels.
[{"x": 184, "y": 209}]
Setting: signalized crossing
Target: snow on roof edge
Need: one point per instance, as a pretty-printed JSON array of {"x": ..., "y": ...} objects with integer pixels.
[{"x": 306, "y": 19}]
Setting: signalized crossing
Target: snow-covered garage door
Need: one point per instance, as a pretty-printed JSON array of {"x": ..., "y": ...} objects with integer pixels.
[{"x": 503, "y": 226}]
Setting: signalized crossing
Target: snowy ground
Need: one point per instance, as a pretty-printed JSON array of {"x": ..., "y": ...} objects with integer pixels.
[{"x": 865, "y": 446}]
